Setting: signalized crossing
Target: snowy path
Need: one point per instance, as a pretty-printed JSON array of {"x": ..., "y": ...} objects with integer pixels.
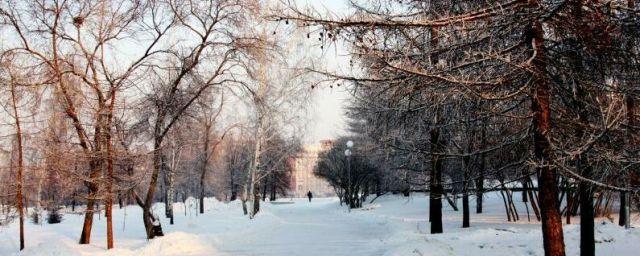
[
  {"x": 316, "y": 228},
  {"x": 393, "y": 226}
]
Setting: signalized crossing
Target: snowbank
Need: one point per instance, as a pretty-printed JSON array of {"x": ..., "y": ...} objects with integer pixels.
[{"x": 393, "y": 225}]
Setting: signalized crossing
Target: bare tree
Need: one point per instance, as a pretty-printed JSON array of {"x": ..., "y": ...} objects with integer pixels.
[
  {"x": 77, "y": 62},
  {"x": 204, "y": 62},
  {"x": 11, "y": 79}
]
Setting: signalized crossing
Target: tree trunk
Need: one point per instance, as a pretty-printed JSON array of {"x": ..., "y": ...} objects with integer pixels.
[
  {"x": 481, "y": 170},
  {"x": 631, "y": 123},
  {"x": 465, "y": 193},
  {"x": 109, "y": 216},
  {"x": 232, "y": 186},
  {"x": 85, "y": 236},
  {"x": 255, "y": 165},
  {"x": 533, "y": 199},
  {"x": 205, "y": 163},
  {"x": 163, "y": 191},
  {"x": 525, "y": 198},
  {"x": 587, "y": 235},
  {"x": 171, "y": 189},
  {"x": 548, "y": 185},
  {"x": 274, "y": 188},
  {"x": 506, "y": 205},
  {"x": 465, "y": 210},
  {"x": 19, "y": 176},
  {"x": 435, "y": 186},
  {"x": 622, "y": 216},
  {"x": 147, "y": 218},
  {"x": 264, "y": 189},
  {"x": 435, "y": 182},
  {"x": 553, "y": 238},
  {"x": 38, "y": 204},
  {"x": 244, "y": 200},
  {"x": 109, "y": 158},
  {"x": 109, "y": 201},
  {"x": 585, "y": 189},
  {"x": 95, "y": 164},
  {"x": 256, "y": 203},
  {"x": 570, "y": 200},
  {"x": 201, "y": 197},
  {"x": 512, "y": 206}
]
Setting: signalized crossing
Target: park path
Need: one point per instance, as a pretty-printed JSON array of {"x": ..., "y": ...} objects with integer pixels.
[{"x": 303, "y": 228}]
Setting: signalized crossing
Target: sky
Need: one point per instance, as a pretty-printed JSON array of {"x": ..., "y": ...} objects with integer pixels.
[{"x": 327, "y": 119}]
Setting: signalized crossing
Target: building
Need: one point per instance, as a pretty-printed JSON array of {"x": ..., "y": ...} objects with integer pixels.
[{"x": 302, "y": 179}]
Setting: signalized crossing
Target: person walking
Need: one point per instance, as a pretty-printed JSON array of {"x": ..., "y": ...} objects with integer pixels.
[{"x": 309, "y": 195}]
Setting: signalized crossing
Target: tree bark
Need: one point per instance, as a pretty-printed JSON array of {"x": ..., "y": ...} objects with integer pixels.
[
  {"x": 255, "y": 165},
  {"x": 548, "y": 185},
  {"x": 19, "y": 176},
  {"x": 465, "y": 209},
  {"x": 109, "y": 211},
  {"x": 553, "y": 238},
  {"x": 525, "y": 199},
  {"x": 622, "y": 217},
  {"x": 435, "y": 184},
  {"x": 481, "y": 170},
  {"x": 244, "y": 201},
  {"x": 630, "y": 103},
  {"x": 205, "y": 163},
  {"x": 148, "y": 218},
  {"x": 234, "y": 190},
  {"x": 73, "y": 202},
  {"x": 171, "y": 189},
  {"x": 570, "y": 200},
  {"x": 85, "y": 236},
  {"x": 264, "y": 189},
  {"x": 109, "y": 201},
  {"x": 506, "y": 205},
  {"x": 465, "y": 193},
  {"x": 512, "y": 206},
  {"x": 109, "y": 158},
  {"x": 274, "y": 188},
  {"x": 587, "y": 234},
  {"x": 256, "y": 202},
  {"x": 95, "y": 165},
  {"x": 533, "y": 198},
  {"x": 585, "y": 188}
]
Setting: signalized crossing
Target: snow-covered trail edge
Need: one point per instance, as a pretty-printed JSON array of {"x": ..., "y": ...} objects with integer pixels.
[{"x": 393, "y": 225}]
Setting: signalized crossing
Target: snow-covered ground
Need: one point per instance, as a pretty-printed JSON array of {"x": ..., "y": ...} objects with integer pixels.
[{"x": 392, "y": 225}]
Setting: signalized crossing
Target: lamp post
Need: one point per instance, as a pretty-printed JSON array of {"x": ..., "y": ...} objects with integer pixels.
[{"x": 348, "y": 153}]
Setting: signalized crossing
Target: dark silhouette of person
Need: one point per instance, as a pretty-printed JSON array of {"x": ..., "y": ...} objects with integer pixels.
[{"x": 309, "y": 195}]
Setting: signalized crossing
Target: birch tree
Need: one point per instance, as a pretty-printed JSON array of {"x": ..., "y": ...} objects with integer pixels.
[
  {"x": 72, "y": 41},
  {"x": 204, "y": 59}
]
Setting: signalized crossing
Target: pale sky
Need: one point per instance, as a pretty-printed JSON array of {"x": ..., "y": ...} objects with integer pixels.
[
  {"x": 327, "y": 118},
  {"x": 326, "y": 115}
]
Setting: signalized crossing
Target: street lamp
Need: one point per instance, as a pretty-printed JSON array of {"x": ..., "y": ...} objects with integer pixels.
[{"x": 348, "y": 154}]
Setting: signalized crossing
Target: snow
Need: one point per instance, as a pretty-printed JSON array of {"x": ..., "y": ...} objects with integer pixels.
[{"x": 392, "y": 225}]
